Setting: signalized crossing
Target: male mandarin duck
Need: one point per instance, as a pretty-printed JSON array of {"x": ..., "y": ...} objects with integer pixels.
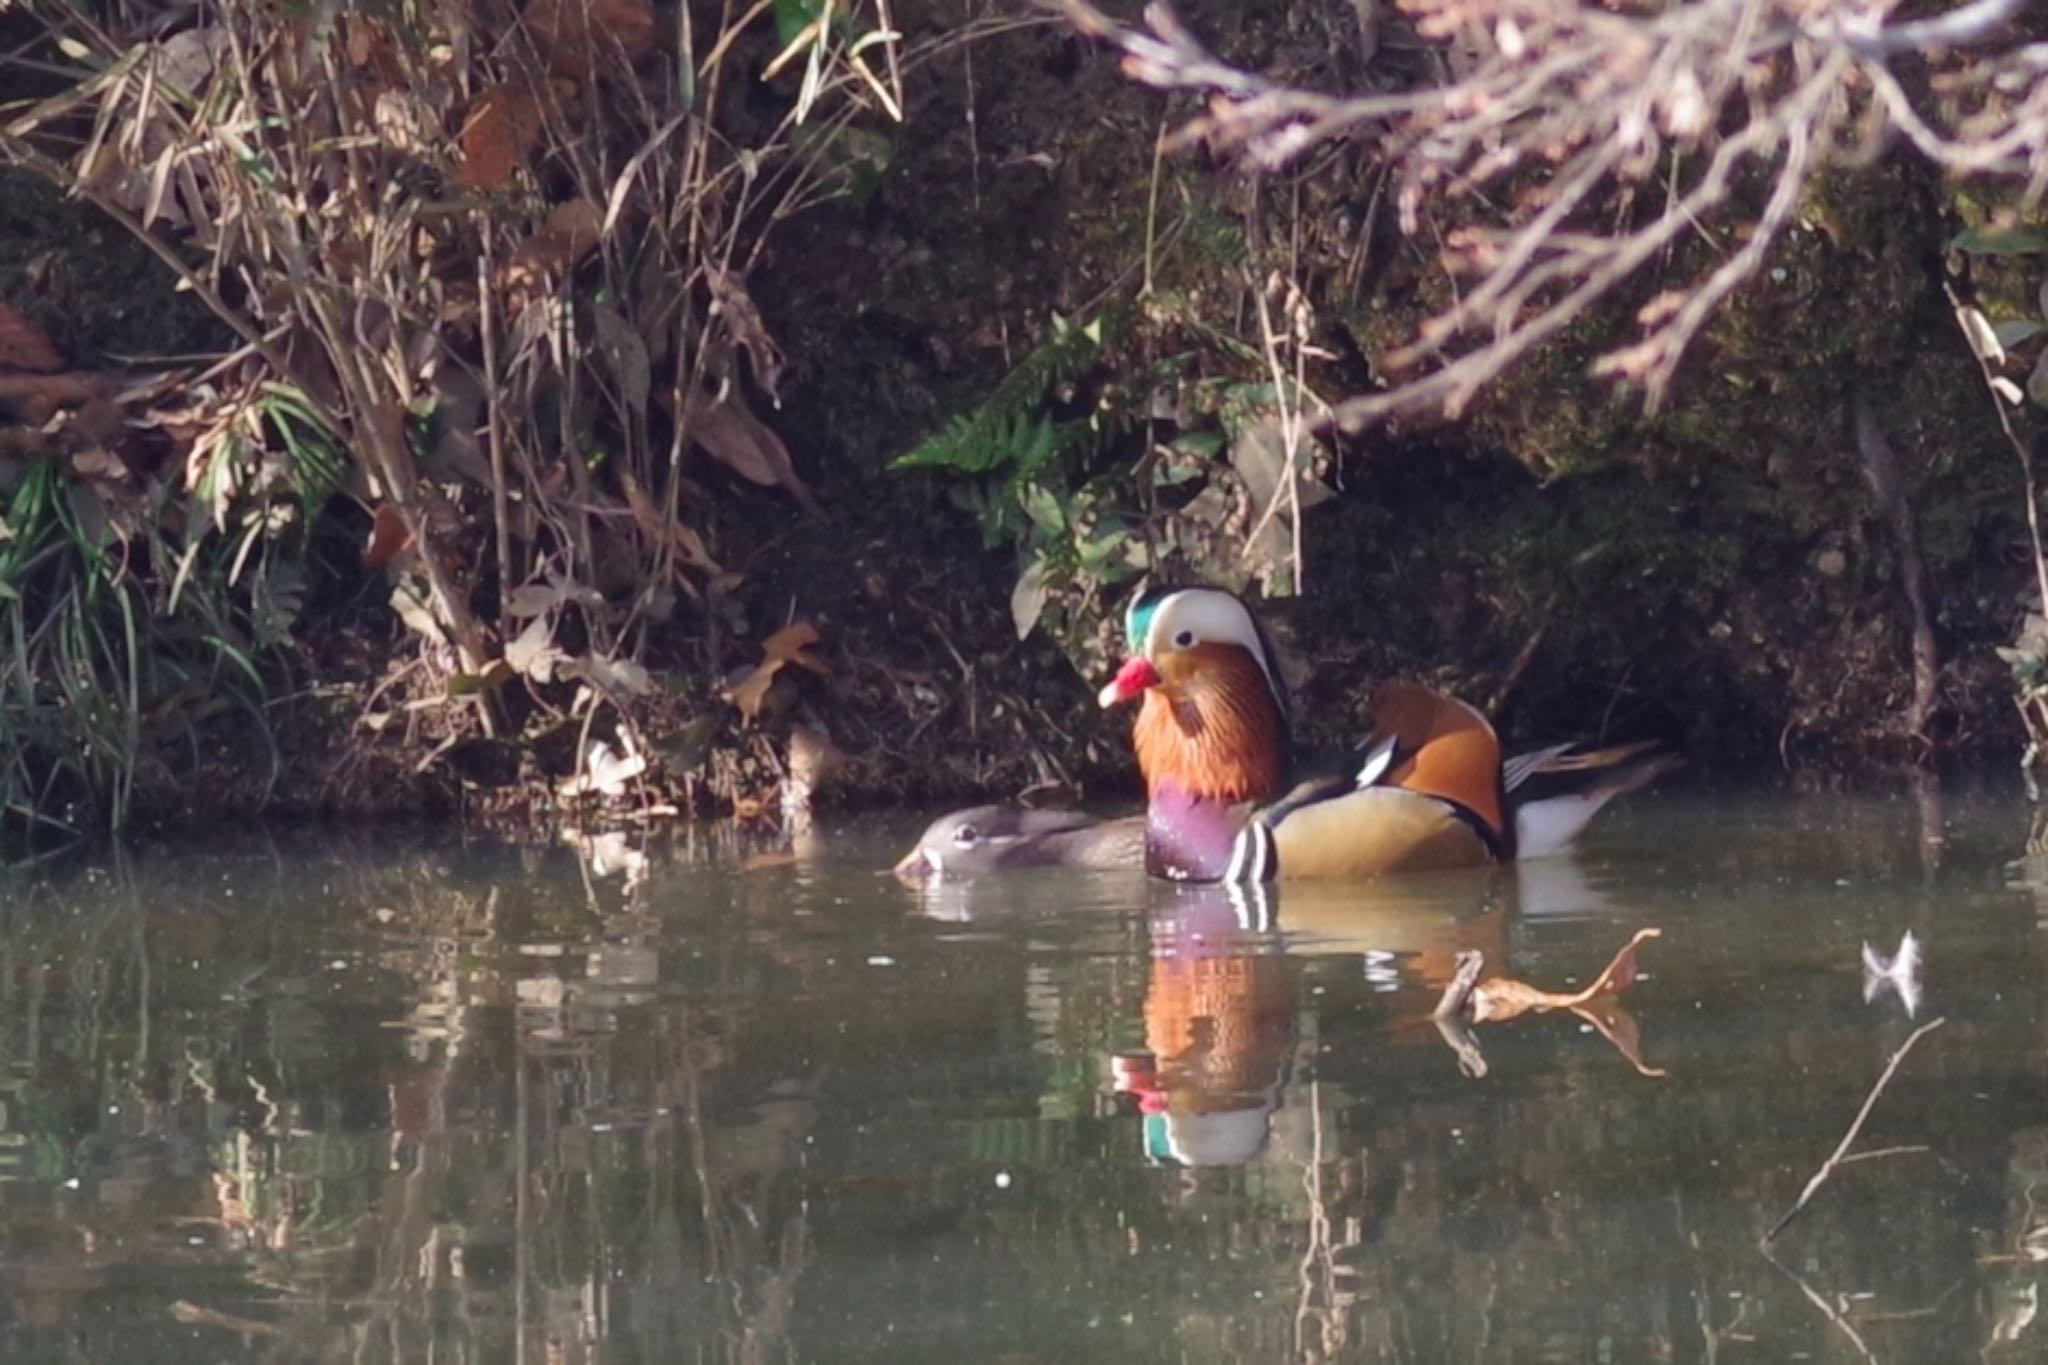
[
  {"x": 1431, "y": 789},
  {"x": 966, "y": 843}
]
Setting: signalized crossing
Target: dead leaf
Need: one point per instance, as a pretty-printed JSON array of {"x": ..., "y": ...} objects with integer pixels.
[
  {"x": 1500, "y": 998},
  {"x": 762, "y": 862},
  {"x": 389, "y": 537},
  {"x": 655, "y": 527},
  {"x": 625, "y": 355},
  {"x": 532, "y": 651},
  {"x": 531, "y": 599},
  {"x": 410, "y": 602},
  {"x": 502, "y": 127},
  {"x": 578, "y": 38},
  {"x": 730, "y": 299},
  {"x": 610, "y": 675},
  {"x": 741, "y": 442},
  {"x": 34, "y": 399},
  {"x": 187, "y": 58},
  {"x": 606, "y": 772},
  {"x": 570, "y": 232},
  {"x": 790, "y": 645},
  {"x": 23, "y": 345}
]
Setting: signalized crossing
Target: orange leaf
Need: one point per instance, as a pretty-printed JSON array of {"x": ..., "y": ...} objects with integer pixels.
[
  {"x": 502, "y": 127},
  {"x": 577, "y": 38},
  {"x": 1499, "y": 998},
  {"x": 790, "y": 645},
  {"x": 388, "y": 536},
  {"x": 23, "y": 345}
]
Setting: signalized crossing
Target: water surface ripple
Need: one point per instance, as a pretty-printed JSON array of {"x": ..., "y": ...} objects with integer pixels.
[{"x": 713, "y": 1096}]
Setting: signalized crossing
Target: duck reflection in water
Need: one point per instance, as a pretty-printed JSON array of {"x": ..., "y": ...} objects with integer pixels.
[
  {"x": 1219, "y": 1028},
  {"x": 1221, "y": 1007}
]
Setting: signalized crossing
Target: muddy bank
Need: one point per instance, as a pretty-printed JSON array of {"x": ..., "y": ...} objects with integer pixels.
[{"x": 1720, "y": 576}]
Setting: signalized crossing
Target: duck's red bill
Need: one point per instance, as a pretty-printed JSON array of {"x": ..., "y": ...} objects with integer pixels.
[{"x": 1136, "y": 675}]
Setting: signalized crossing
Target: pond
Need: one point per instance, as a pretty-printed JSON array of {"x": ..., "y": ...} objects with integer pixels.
[{"x": 709, "y": 1096}]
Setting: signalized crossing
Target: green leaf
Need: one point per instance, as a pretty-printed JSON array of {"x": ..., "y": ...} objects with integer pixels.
[
  {"x": 1043, "y": 508},
  {"x": 1989, "y": 241},
  {"x": 1027, "y": 599},
  {"x": 792, "y": 17}
]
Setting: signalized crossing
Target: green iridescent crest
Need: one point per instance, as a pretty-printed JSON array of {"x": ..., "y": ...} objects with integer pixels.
[{"x": 1138, "y": 619}]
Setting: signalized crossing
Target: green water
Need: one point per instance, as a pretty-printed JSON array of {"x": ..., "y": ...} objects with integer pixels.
[{"x": 383, "y": 1097}]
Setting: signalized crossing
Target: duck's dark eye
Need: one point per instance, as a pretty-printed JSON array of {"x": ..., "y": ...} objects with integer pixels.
[
  {"x": 1184, "y": 640},
  {"x": 967, "y": 836}
]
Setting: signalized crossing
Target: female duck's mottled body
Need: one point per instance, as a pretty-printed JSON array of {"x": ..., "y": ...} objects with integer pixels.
[{"x": 1427, "y": 790}]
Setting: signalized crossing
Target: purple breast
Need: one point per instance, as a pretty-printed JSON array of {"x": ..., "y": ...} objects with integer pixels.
[{"x": 1188, "y": 838}]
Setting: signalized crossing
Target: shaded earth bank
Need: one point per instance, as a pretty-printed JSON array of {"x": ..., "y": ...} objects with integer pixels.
[{"x": 1720, "y": 575}]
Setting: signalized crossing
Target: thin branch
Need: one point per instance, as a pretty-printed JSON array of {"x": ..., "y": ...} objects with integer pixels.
[{"x": 1848, "y": 1139}]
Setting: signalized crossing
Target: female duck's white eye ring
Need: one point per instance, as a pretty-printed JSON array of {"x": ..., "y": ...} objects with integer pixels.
[
  {"x": 966, "y": 836},
  {"x": 1184, "y": 640}
]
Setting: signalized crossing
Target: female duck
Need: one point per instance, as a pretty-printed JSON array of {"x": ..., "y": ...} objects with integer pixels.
[{"x": 1427, "y": 789}]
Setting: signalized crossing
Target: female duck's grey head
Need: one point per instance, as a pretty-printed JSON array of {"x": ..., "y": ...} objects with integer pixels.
[{"x": 963, "y": 843}]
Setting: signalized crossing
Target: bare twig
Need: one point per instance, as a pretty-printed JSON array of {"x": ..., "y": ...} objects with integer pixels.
[
  {"x": 1842, "y": 1148},
  {"x": 1562, "y": 106}
]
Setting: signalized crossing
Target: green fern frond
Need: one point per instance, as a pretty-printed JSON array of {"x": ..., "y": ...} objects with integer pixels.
[{"x": 1004, "y": 430}]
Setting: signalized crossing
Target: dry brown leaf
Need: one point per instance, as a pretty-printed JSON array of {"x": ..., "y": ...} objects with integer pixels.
[
  {"x": 653, "y": 525},
  {"x": 501, "y": 129},
  {"x": 761, "y": 862},
  {"x": 34, "y": 399},
  {"x": 389, "y": 536},
  {"x": 790, "y": 645},
  {"x": 740, "y": 441},
  {"x": 23, "y": 345},
  {"x": 570, "y": 232},
  {"x": 743, "y": 320},
  {"x": 578, "y": 38},
  {"x": 1500, "y": 998}
]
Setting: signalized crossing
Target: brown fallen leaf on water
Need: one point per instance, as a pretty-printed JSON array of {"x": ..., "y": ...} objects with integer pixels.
[
  {"x": 1500, "y": 998},
  {"x": 23, "y": 345},
  {"x": 790, "y": 645},
  {"x": 1467, "y": 1000}
]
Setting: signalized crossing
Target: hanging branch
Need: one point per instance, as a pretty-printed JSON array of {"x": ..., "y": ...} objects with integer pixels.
[{"x": 1552, "y": 119}]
